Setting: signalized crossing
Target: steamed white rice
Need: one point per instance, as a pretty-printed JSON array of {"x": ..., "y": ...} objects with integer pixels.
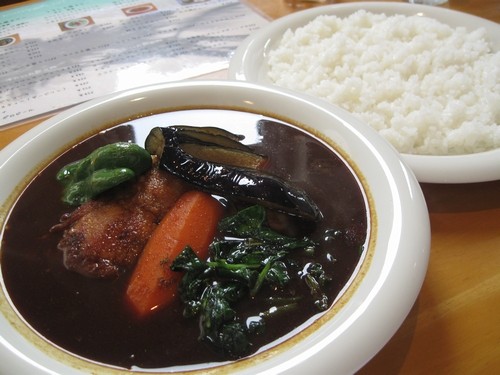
[{"x": 426, "y": 87}]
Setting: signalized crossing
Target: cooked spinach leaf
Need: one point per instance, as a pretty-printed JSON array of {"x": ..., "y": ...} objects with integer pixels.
[{"x": 249, "y": 257}]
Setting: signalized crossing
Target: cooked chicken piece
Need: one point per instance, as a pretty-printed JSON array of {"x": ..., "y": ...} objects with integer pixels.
[{"x": 105, "y": 236}]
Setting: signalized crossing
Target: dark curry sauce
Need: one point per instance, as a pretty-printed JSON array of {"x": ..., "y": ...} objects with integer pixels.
[{"x": 88, "y": 317}]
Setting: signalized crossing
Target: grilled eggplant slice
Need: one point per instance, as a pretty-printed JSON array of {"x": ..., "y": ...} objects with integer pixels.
[{"x": 215, "y": 161}]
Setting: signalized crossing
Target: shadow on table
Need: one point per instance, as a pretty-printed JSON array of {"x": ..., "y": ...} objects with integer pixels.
[{"x": 449, "y": 198}]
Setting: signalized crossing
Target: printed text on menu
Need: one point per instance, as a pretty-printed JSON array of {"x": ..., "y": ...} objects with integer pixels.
[{"x": 59, "y": 53}]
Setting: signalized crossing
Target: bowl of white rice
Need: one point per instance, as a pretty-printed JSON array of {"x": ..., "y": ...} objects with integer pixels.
[{"x": 427, "y": 79}]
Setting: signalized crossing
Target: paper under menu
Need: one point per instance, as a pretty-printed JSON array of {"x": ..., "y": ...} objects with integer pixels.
[{"x": 54, "y": 54}]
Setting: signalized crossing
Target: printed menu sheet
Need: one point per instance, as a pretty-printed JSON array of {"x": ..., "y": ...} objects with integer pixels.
[{"x": 57, "y": 53}]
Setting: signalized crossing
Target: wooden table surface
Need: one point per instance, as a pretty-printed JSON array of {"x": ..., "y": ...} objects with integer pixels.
[{"x": 454, "y": 326}]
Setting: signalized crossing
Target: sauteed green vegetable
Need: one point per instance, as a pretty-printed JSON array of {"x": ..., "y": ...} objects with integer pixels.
[
  {"x": 104, "y": 168},
  {"x": 250, "y": 257}
]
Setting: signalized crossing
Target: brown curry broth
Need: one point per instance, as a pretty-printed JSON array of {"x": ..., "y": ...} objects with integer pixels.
[{"x": 88, "y": 317}]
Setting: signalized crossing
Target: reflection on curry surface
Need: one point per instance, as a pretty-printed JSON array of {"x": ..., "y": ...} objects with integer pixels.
[{"x": 86, "y": 309}]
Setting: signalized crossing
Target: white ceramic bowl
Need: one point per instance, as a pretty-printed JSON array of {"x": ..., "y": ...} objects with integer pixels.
[
  {"x": 399, "y": 242},
  {"x": 249, "y": 64}
]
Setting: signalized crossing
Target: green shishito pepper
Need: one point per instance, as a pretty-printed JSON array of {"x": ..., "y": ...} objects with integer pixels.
[{"x": 104, "y": 168}]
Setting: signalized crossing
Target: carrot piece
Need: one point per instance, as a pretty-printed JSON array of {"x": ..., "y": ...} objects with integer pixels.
[{"x": 191, "y": 221}]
